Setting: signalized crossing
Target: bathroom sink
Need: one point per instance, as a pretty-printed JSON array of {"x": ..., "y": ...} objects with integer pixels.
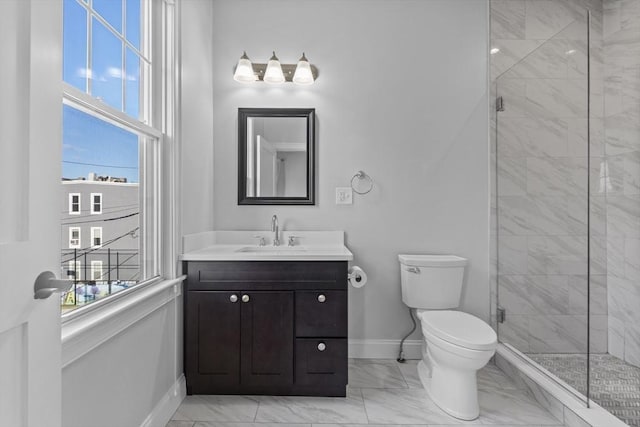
[
  {"x": 272, "y": 249},
  {"x": 244, "y": 246}
]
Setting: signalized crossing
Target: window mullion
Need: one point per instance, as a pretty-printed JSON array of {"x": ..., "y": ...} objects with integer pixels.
[
  {"x": 88, "y": 104},
  {"x": 89, "y": 50}
]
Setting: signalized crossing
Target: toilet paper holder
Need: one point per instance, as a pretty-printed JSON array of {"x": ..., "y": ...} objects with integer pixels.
[{"x": 355, "y": 275}]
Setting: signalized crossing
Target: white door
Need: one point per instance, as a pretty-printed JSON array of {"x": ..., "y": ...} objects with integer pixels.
[
  {"x": 266, "y": 168},
  {"x": 30, "y": 151}
]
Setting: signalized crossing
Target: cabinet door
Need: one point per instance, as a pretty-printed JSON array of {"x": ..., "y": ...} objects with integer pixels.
[
  {"x": 267, "y": 338},
  {"x": 212, "y": 340}
]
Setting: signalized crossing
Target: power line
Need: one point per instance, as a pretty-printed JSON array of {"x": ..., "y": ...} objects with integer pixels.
[
  {"x": 107, "y": 243},
  {"x": 121, "y": 265},
  {"x": 101, "y": 220},
  {"x": 100, "y": 165},
  {"x": 104, "y": 208}
]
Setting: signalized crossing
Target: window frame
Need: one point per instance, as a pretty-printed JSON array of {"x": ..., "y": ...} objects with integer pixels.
[
  {"x": 71, "y": 196},
  {"x": 93, "y": 203},
  {"x": 94, "y": 232},
  {"x": 79, "y": 244},
  {"x": 94, "y": 267},
  {"x": 77, "y": 267},
  {"x": 159, "y": 126}
]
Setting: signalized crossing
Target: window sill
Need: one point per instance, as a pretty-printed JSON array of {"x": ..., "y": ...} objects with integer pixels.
[{"x": 81, "y": 334}]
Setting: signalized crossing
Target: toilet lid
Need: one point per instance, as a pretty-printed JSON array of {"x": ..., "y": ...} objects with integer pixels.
[{"x": 459, "y": 328}]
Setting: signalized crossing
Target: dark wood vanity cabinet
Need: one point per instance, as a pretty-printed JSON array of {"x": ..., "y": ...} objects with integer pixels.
[{"x": 266, "y": 327}]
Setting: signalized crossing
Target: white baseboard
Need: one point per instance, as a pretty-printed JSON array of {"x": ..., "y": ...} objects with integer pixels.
[
  {"x": 164, "y": 410},
  {"x": 384, "y": 349}
]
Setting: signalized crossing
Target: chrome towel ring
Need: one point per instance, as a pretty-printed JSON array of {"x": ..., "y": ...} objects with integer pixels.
[{"x": 362, "y": 176}]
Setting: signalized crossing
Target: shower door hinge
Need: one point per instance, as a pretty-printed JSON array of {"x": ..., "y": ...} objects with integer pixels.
[
  {"x": 499, "y": 104},
  {"x": 501, "y": 314}
]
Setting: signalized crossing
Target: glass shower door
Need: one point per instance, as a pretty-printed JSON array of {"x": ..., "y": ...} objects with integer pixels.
[{"x": 544, "y": 214}]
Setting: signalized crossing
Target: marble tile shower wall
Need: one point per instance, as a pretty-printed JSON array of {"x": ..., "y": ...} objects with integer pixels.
[
  {"x": 622, "y": 129},
  {"x": 540, "y": 204}
]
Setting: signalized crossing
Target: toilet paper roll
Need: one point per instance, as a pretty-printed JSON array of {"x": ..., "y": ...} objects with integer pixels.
[{"x": 357, "y": 277}]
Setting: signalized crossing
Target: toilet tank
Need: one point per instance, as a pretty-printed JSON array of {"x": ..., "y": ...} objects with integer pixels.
[{"x": 431, "y": 281}]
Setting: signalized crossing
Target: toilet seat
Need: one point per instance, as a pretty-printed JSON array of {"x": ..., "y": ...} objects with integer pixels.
[{"x": 458, "y": 328}]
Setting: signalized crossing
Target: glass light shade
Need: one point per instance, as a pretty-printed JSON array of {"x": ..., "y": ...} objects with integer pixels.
[
  {"x": 303, "y": 74},
  {"x": 244, "y": 70},
  {"x": 273, "y": 74}
]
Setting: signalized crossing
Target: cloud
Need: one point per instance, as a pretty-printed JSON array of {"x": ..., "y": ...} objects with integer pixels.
[
  {"x": 84, "y": 72},
  {"x": 111, "y": 72},
  {"x": 119, "y": 74},
  {"x": 72, "y": 147}
]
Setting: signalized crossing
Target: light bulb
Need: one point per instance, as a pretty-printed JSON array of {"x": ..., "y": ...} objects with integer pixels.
[
  {"x": 273, "y": 74},
  {"x": 244, "y": 70},
  {"x": 303, "y": 74}
]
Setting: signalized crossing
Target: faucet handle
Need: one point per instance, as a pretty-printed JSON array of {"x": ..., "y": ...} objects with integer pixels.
[
  {"x": 292, "y": 240},
  {"x": 261, "y": 242}
]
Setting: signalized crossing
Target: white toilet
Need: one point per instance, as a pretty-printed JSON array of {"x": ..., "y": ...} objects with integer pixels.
[{"x": 456, "y": 344}]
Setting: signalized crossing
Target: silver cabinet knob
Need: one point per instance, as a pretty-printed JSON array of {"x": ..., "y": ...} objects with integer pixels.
[
  {"x": 322, "y": 298},
  {"x": 322, "y": 346},
  {"x": 233, "y": 298},
  {"x": 245, "y": 298}
]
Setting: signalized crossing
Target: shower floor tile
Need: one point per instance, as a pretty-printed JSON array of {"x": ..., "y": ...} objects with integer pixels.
[{"x": 615, "y": 384}]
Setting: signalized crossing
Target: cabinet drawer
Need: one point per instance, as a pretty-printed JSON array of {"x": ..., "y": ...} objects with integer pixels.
[
  {"x": 266, "y": 275},
  {"x": 321, "y": 313},
  {"x": 321, "y": 362}
]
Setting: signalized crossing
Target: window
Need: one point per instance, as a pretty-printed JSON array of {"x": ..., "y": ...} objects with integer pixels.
[
  {"x": 111, "y": 139},
  {"x": 74, "y": 203},
  {"x": 74, "y": 237},
  {"x": 96, "y": 270},
  {"x": 96, "y": 203},
  {"x": 74, "y": 270},
  {"x": 96, "y": 237}
]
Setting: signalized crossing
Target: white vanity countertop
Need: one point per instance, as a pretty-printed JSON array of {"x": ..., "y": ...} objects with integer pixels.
[{"x": 244, "y": 246}]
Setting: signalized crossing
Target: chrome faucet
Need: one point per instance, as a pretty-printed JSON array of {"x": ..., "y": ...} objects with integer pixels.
[{"x": 274, "y": 229}]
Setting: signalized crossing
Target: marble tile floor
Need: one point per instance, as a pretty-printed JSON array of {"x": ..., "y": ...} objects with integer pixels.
[{"x": 380, "y": 393}]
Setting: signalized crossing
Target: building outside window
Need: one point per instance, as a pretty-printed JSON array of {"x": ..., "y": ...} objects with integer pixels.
[
  {"x": 96, "y": 270},
  {"x": 74, "y": 270},
  {"x": 74, "y": 237},
  {"x": 111, "y": 147},
  {"x": 96, "y": 237},
  {"x": 74, "y": 204},
  {"x": 96, "y": 203}
]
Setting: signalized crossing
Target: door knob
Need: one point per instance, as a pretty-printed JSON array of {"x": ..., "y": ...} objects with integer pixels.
[
  {"x": 46, "y": 284},
  {"x": 322, "y": 298},
  {"x": 322, "y": 346},
  {"x": 245, "y": 298},
  {"x": 233, "y": 298}
]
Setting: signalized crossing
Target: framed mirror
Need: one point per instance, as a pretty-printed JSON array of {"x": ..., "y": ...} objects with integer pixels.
[{"x": 276, "y": 156}]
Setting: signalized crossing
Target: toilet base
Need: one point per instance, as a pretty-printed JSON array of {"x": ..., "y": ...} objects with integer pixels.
[{"x": 456, "y": 393}]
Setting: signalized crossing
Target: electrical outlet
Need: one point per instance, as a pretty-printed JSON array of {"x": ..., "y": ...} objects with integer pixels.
[{"x": 344, "y": 196}]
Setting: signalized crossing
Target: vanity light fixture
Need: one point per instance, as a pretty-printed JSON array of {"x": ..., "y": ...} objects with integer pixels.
[
  {"x": 273, "y": 72},
  {"x": 244, "y": 70},
  {"x": 303, "y": 74}
]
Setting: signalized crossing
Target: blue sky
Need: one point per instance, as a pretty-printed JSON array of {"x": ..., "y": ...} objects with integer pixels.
[{"x": 90, "y": 145}]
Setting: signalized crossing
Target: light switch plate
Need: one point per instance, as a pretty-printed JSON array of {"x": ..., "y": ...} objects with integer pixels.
[{"x": 344, "y": 196}]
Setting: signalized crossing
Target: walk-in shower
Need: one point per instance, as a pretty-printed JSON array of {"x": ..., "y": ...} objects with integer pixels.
[{"x": 567, "y": 206}]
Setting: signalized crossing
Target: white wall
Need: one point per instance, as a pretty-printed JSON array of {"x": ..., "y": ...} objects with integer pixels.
[
  {"x": 120, "y": 383},
  {"x": 196, "y": 127},
  {"x": 402, "y": 95}
]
